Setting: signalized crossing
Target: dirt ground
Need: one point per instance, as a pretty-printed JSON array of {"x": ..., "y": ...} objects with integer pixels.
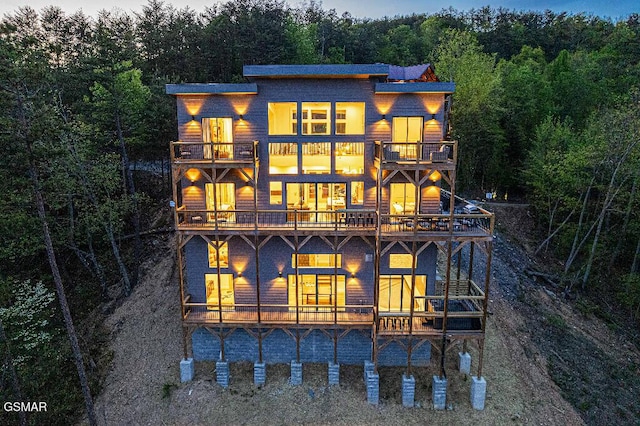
[{"x": 525, "y": 346}]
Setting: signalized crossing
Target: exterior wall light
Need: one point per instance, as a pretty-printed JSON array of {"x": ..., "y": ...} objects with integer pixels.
[
  {"x": 384, "y": 117},
  {"x": 433, "y": 116},
  {"x": 239, "y": 274},
  {"x": 240, "y": 117},
  {"x": 280, "y": 274},
  {"x": 353, "y": 275},
  {"x": 193, "y": 118}
]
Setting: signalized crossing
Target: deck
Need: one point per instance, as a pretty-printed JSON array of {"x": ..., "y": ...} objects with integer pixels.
[{"x": 341, "y": 222}]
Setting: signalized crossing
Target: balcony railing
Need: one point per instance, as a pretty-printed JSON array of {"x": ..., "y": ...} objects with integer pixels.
[
  {"x": 277, "y": 219},
  {"x": 465, "y": 311},
  {"x": 415, "y": 152},
  {"x": 278, "y": 314},
  {"x": 214, "y": 152},
  {"x": 480, "y": 224}
]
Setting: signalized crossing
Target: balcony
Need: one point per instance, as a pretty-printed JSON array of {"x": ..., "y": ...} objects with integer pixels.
[
  {"x": 221, "y": 154},
  {"x": 409, "y": 155},
  {"x": 271, "y": 314},
  {"x": 428, "y": 226},
  {"x": 277, "y": 220},
  {"x": 465, "y": 312}
]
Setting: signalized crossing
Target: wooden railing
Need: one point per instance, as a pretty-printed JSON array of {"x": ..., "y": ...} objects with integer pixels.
[
  {"x": 278, "y": 314},
  {"x": 416, "y": 152},
  {"x": 338, "y": 220},
  {"x": 277, "y": 219},
  {"x": 214, "y": 152}
]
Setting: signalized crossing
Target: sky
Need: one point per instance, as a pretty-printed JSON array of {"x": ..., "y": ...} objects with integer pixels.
[{"x": 614, "y": 9}]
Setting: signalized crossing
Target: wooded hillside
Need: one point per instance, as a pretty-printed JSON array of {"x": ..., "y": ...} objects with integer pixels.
[{"x": 546, "y": 111}]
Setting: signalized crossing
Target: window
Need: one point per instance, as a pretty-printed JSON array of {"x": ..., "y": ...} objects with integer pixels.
[
  {"x": 400, "y": 260},
  {"x": 316, "y": 197},
  {"x": 403, "y": 198},
  {"x": 407, "y": 129},
  {"x": 283, "y": 118},
  {"x": 224, "y": 256},
  {"x": 357, "y": 192},
  {"x": 316, "y": 118},
  {"x": 224, "y": 297},
  {"x": 317, "y": 291},
  {"x": 218, "y": 137},
  {"x": 395, "y": 293},
  {"x": 283, "y": 159},
  {"x": 225, "y": 201},
  {"x": 327, "y": 260},
  {"x": 349, "y": 118},
  {"x": 349, "y": 158},
  {"x": 275, "y": 193},
  {"x": 316, "y": 158}
]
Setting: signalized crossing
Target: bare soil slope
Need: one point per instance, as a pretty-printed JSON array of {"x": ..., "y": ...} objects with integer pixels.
[{"x": 143, "y": 386}]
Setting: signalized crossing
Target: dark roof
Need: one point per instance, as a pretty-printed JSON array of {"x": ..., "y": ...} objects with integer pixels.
[
  {"x": 422, "y": 72},
  {"x": 310, "y": 71},
  {"x": 416, "y": 87},
  {"x": 212, "y": 89}
]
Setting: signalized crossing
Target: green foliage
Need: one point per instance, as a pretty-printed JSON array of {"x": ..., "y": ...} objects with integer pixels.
[
  {"x": 477, "y": 109},
  {"x": 26, "y": 319},
  {"x": 629, "y": 293}
]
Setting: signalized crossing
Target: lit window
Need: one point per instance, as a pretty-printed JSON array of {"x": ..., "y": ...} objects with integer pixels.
[
  {"x": 407, "y": 129},
  {"x": 319, "y": 291},
  {"x": 223, "y": 210},
  {"x": 283, "y": 118},
  {"x": 217, "y": 137},
  {"x": 283, "y": 159},
  {"x": 357, "y": 192},
  {"x": 316, "y": 118},
  {"x": 403, "y": 198},
  {"x": 324, "y": 260},
  {"x": 275, "y": 193},
  {"x": 316, "y": 158},
  {"x": 349, "y": 158},
  {"x": 349, "y": 118},
  {"x": 407, "y": 133},
  {"x": 224, "y": 296},
  {"x": 395, "y": 293},
  {"x": 224, "y": 256},
  {"x": 400, "y": 260}
]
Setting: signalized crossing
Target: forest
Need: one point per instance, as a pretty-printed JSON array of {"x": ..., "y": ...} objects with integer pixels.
[{"x": 546, "y": 112}]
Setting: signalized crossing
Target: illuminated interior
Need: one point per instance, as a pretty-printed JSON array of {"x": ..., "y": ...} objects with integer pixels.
[
  {"x": 320, "y": 260},
  {"x": 275, "y": 193},
  {"x": 218, "y": 130},
  {"x": 403, "y": 198},
  {"x": 357, "y": 192},
  {"x": 225, "y": 199},
  {"x": 224, "y": 256},
  {"x": 349, "y": 118},
  {"x": 283, "y": 118},
  {"x": 316, "y": 196},
  {"x": 283, "y": 159},
  {"x": 316, "y": 158},
  {"x": 226, "y": 290},
  {"x": 317, "y": 290},
  {"x": 395, "y": 293},
  {"x": 316, "y": 118},
  {"x": 407, "y": 129},
  {"x": 349, "y": 158}
]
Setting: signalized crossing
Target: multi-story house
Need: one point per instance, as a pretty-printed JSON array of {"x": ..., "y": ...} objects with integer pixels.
[{"x": 317, "y": 221}]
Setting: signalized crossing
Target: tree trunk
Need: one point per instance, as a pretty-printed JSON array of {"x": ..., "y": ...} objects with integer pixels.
[
  {"x": 636, "y": 259},
  {"x": 625, "y": 223},
  {"x": 131, "y": 188},
  {"x": 62, "y": 297},
  {"x": 575, "y": 247},
  {"x": 15, "y": 383}
]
